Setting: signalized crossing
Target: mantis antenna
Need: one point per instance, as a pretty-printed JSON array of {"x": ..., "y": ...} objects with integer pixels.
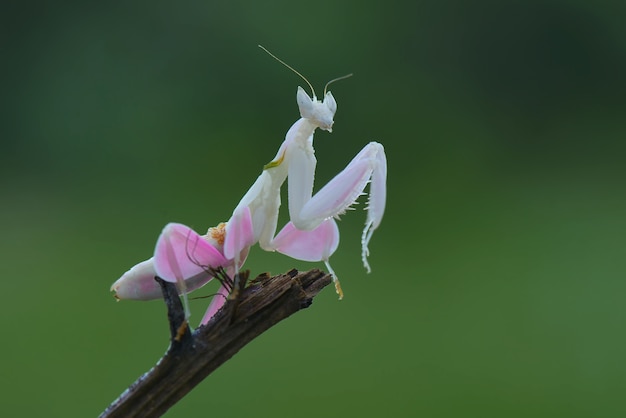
[
  {"x": 290, "y": 67},
  {"x": 301, "y": 76},
  {"x": 336, "y": 79}
]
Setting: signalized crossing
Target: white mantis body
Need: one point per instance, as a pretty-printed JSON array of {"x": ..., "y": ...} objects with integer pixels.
[{"x": 310, "y": 235}]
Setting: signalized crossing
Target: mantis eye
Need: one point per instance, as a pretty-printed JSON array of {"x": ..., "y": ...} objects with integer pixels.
[
  {"x": 305, "y": 104},
  {"x": 330, "y": 102}
]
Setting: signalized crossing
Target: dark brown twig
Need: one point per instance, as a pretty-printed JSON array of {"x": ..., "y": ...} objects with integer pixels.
[{"x": 192, "y": 356}]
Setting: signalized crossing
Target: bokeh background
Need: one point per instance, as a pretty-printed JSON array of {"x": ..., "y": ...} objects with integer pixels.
[{"x": 498, "y": 281}]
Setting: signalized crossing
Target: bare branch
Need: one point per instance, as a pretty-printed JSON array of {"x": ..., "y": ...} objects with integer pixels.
[{"x": 192, "y": 356}]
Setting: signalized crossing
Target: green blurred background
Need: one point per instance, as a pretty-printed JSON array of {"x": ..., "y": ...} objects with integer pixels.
[{"x": 498, "y": 280}]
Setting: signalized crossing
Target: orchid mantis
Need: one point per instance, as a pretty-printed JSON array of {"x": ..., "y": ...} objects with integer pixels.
[
  {"x": 312, "y": 233},
  {"x": 188, "y": 259}
]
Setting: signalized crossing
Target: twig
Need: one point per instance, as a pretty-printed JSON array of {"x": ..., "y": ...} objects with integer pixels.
[{"x": 192, "y": 356}]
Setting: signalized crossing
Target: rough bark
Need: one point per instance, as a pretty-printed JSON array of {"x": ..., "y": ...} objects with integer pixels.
[{"x": 192, "y": 356}]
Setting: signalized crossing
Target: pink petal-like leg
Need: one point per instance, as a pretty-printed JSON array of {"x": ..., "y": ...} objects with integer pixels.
[
  {"x": 315, "y": 245},
  {"x": 181, "y": 253},
  {"x": 239, "y": 235},
  {"x": 216, "y": 304},
  {"x": 219, "y": 299}
]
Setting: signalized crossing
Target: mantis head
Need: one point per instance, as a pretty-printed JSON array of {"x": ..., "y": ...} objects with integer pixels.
[{"x": 320, "y": 113}]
